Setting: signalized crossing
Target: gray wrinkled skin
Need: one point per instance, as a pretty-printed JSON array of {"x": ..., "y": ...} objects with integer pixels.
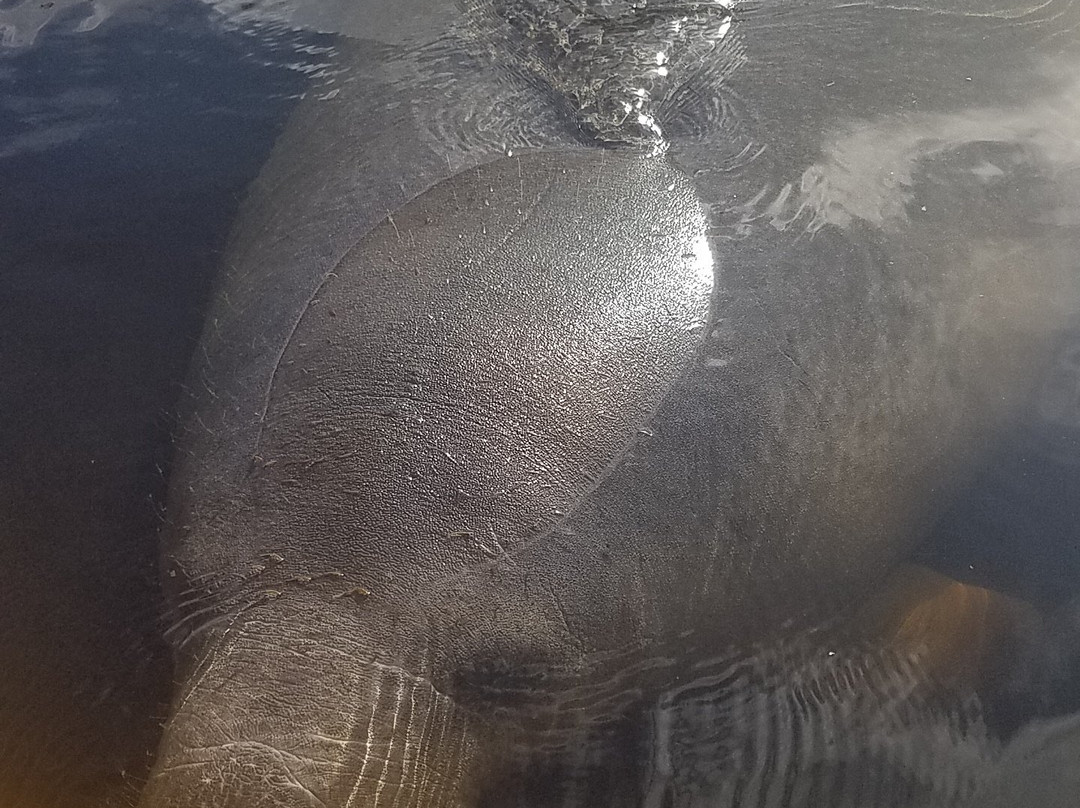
[{"x": 538, "y": 460}]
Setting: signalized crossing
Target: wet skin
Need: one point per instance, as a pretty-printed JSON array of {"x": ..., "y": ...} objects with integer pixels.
[{"x": 545, "y": 452}]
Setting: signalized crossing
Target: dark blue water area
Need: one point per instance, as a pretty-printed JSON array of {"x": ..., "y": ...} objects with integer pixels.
[
  {"x": 139, "y": 137},
  {"x": 124, "y": 154}
]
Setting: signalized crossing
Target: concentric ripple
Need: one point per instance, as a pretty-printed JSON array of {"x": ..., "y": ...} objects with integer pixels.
[{"x": 615, "y": 62}]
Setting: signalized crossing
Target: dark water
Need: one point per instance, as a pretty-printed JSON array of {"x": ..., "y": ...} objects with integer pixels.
[{"x": 893, "y": 203}]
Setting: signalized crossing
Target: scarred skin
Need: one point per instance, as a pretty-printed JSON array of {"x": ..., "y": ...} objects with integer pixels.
[{"x": 512, "y": 478}]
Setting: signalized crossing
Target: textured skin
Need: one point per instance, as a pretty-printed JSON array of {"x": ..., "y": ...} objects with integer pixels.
[
  {"x": 533, "y": 378},
  {"x": 484, "y": 477}
]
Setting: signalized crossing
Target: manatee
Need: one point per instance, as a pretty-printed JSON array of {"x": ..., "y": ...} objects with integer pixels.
[{"x": 581, "y": 381}]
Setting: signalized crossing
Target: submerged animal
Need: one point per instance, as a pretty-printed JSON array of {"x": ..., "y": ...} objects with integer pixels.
[{"x": 570, "y": 400}]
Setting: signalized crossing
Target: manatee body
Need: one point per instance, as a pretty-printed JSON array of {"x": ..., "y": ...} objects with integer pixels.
[{"x": 541, "y": 456}]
